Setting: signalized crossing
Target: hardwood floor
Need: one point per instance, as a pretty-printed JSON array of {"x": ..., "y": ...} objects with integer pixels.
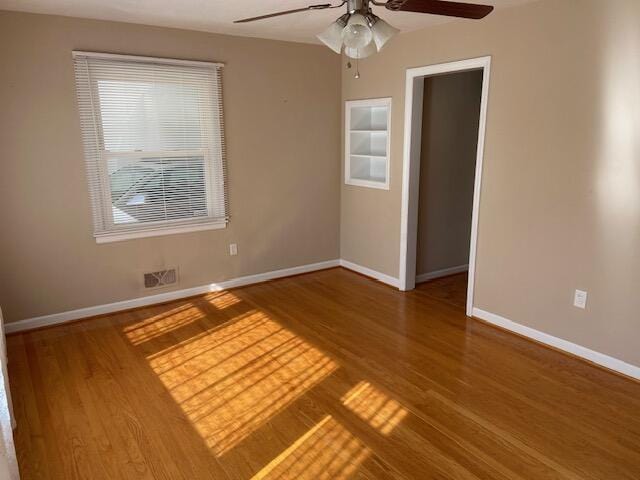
[
  {"x": 450, "y": 289},
  {"x": 327, "y": 375}
]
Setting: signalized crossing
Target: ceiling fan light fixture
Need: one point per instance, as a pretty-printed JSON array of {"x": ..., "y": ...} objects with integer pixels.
[
  {"x": 382, "y": 31},
  {"x": 332, "y": 36},
  {"x": 361, "y": 33},
  {"x": 363, "y": 52},
  {"x": 357, "y": 34}
]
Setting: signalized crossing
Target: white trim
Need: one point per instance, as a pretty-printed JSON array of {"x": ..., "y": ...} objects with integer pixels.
[
  {"x": 157, "y": 232},
  {"x": 564, "y": 345},
  {"x": 63, "y": 317},
  {"x": 368, "y": 183},
  {"x": 136, "y": 58},
  {"x": 381, "y": 277},
  {"x": 4, "y": 360},
  {"x": 477, "y": 189},
  {"x": 445, "y": 272},
  {"x": 411, "y": 165},
  {"x": 370, "y": 102}
]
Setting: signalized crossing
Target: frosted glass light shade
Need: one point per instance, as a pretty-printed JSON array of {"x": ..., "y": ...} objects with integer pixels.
[
  {"x": 357, "y": 33},
  {"x": 364, "y": 52},
  {"x": 332, "y": 36},
  {"x": 382, "y": 33}
]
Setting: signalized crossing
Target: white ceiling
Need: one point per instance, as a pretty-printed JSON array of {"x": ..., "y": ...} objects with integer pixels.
[{"x": 218, "y": 15}]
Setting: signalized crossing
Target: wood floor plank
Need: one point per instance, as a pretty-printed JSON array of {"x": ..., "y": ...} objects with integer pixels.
[
  {"x": 30, "y": 435},
  {"x": 64, "y": 414},
  {"x": 397, "y": 384},
  {"x": 149, "y": 415},
  {"x": 606, "y": 450},
  {"x": 324, "y": 375}
]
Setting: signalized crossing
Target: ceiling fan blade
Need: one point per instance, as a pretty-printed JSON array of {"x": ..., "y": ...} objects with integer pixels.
[
  {"x": 439, "y": 7},
  {"x": 286, "y": 12}
]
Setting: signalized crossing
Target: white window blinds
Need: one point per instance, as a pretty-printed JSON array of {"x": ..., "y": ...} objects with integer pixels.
[{"x": 154, "y": 147}]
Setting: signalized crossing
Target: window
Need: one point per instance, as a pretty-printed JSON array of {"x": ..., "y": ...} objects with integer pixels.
[{"x": 154, "y": 147}]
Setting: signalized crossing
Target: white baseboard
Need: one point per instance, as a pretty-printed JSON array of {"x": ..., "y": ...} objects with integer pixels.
[
  {"x": 577, "y": 350},
  {"x": 381, "y": 277},
  {"x": 425, "y": 277},
  {"x": 63, "y": 317}
]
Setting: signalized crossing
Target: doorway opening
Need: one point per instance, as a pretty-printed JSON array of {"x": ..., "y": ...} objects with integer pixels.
[{"x": 445, "y": 117}]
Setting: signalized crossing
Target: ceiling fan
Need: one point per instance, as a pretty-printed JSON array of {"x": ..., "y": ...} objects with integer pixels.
[{"x": 362, "y": 33}]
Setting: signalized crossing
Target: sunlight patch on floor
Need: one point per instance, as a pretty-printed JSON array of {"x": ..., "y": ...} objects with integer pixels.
[
  {"x": 163, "y": 323},
  {"x": 328, "y": 452},
  {"x": 178, "y": 352},
  {"x": 222, "y": 300},
  {"x": 373, "y": 406},
  {"x": 181, "y": 316},
  {"x": 233, "y": 379}
]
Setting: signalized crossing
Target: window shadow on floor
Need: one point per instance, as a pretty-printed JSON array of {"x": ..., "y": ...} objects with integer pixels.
[{"x": 263, "y": 400}]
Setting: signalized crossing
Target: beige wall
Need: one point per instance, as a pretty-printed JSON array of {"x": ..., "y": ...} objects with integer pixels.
[
  {"x": 560, "y": 205},
  {"x": 450, "y": 119},
  {"x": 281, "y": 109}
]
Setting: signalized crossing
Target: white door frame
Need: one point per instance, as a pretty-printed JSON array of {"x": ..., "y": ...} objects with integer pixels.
[{"x": 411, "y": 166}]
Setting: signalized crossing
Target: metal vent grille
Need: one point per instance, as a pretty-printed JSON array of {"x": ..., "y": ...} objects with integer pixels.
[{"x": 160, "y": 278}]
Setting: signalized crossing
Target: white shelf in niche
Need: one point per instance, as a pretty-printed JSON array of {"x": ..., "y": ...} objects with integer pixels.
[
  {"x": 365, "y": 155},
  {"x": 367, "y": 151}
]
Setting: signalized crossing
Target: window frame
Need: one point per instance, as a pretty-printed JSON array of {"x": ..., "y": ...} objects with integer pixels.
[{"x": 214, "y": 186}]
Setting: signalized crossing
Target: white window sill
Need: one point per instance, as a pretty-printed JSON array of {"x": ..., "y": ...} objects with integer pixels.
[{"x": 157, "y": 232}]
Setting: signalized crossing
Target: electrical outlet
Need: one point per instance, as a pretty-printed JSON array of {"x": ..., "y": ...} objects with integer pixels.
[
  {"x": 233, "y": 249},
  {"x": 580, "y": 299}
]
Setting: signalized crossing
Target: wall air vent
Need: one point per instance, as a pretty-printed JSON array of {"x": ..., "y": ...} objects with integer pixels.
[{"x": 161, "y": 278}]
